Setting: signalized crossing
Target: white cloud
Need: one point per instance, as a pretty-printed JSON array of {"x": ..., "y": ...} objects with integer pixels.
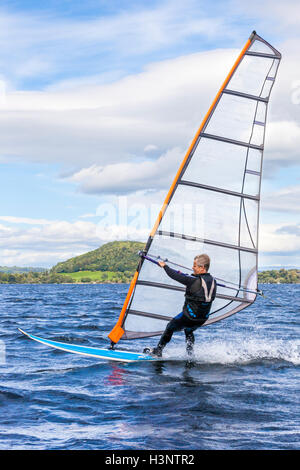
[
  {"x": 271, "y": 16},
  {"x": 52, "y": 233},
  {"x": 88, "y": 215},
  {"x": 283, "y": 142},
  {"x": 24, "y": 220},
  {"x": 275, "y": 238},
  {"x": 5, "y": 231},
  {"x": 48, "y": 243},
  {"x": 34, "y": 258},
  {"x": 124, "y": 178},
  {"x": 283, "y": 200},
  {"x": 95, "y": 126},
  {"x": 114, "y": 122},
  {"x": 150, "y": 148},
  {"x": 293, "y": 229}
]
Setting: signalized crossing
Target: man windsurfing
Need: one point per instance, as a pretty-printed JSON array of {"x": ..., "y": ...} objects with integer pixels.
[{"x": 199, "y": 295}]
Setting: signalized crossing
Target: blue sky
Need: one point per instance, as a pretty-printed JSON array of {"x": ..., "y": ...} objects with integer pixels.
[{"x": 91, "y": 87}]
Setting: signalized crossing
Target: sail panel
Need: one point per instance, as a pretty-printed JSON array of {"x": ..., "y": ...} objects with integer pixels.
[
  {"x": 252, "y": 74},
  {"x": 230, "y": 264},
  {"x": 207, "y": 214},
  {"x": 247, "y": 231},
  {"x": 233, "y": 118},
  {"x": 261, "y": 46},
  {"x": 252, "y": 183},
  {"x": 212, "y": 153},
  {"x": 213, "y": 204},
  {"x": 156, "y": 300},
  {"x": 138, "y": 323},
  {"x": 254, "y": 160}
]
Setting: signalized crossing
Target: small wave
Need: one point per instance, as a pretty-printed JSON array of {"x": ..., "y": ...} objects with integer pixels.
[
  {"x": 9, "y": 395},
  {"x": 249, "y": 350}
]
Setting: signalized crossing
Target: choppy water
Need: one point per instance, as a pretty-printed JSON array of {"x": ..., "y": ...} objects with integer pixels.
[{"x": 241, "y": 392}]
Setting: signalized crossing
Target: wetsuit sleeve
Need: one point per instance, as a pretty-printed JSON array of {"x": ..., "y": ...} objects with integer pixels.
[{"x": 177, "y": 276}]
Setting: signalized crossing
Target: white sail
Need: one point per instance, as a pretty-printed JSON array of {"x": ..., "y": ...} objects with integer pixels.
[{"x": 212, "y": 206}]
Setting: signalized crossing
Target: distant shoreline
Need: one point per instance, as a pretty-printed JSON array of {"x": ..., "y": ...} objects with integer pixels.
[
  {"x": 106, "y": 283},
  {"x": 281, "y": 276},
  {"x": 63, "y": 283}
]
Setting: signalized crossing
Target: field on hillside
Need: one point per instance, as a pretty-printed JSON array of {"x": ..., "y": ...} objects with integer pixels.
[{"x": 99, "y": 276}]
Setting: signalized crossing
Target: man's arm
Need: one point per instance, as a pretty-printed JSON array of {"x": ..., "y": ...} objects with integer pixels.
[{"x": 185, "y": 279}]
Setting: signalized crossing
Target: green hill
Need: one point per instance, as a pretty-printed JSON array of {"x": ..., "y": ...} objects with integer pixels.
[{"x": 118, "y": 257}]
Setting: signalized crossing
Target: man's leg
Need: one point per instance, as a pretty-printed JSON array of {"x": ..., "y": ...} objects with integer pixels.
[
  {"x": 190, "y": 340},
  {"x": 176, "y": 324}
]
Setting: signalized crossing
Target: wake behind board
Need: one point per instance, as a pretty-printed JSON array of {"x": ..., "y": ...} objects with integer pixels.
[{"x": 109, "y": 354}]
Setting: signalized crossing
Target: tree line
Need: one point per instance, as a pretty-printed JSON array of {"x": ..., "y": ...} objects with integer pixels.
[
  {"x": 34, "y": 278},
  {"x": 281, "y": 276}
]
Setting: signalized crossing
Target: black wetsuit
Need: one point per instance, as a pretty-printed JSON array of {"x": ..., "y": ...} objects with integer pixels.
[{"x": 195, "y": 309}]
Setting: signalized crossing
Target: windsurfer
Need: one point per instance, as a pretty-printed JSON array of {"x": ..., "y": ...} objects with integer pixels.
[{"x": 199, "y": 295}]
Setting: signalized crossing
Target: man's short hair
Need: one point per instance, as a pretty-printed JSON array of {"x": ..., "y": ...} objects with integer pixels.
[{"x": 203, "y": 260}]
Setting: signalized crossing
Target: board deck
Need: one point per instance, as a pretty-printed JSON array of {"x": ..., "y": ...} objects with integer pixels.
[{"x": 109, "y": 354}]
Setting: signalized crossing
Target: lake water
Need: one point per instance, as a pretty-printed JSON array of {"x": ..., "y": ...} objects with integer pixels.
[{"x": 241, "y": 391}]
